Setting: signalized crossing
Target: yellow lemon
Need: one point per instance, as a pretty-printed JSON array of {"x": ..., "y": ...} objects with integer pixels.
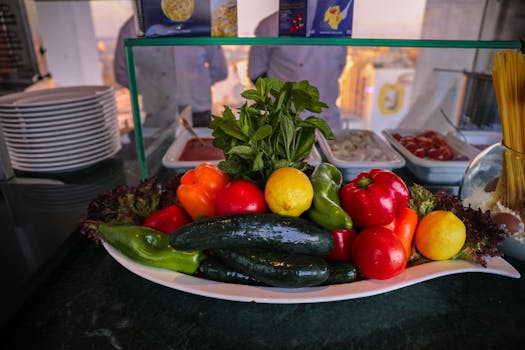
[
  {"x": 288, "y": 191},
  {"x": 440, "y": 235}
]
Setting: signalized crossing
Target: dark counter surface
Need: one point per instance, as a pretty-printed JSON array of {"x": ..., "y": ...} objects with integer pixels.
[{"x": 78, "y": 297}]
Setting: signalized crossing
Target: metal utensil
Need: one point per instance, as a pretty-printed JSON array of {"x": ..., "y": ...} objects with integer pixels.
[{"x": 188, "y": 127}]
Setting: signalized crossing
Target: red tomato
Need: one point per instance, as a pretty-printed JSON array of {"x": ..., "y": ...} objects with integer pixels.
[
  {"x": 167, "y": 220},
  {"x": 378, "y": 253},
  {"x": 343, "y": 239},
  {"x": 240, "y": 197}
]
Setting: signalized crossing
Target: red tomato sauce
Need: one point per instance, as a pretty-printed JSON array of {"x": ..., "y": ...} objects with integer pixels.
[{"x": 194, "y": 150}]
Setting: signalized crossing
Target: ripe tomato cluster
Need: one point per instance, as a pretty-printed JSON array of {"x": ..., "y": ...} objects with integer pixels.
[
  {"x": 378, "y": 201},
  {"x": 427, "y": 144}
]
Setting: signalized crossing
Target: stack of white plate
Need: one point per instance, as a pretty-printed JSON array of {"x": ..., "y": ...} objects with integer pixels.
[{"x": 61, "y": 129}]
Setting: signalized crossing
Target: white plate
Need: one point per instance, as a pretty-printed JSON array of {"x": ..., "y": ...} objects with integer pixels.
[
  {"x": 72, "y": 119},
  {"x": 54, "y": 129},
  {"x": 30, "y": 150},
  {"x": 100, "y": 128},
  {"x": 81, "y": 164},
  {"x": 57, "y": 115},
  {"x": 55, "y": 144},
  {"x": 54, "y": 97},
  {"x": 64, "y": 155},
  {"x": 360, "y": 289},
  {"x": 59, "y": 111},
  {"x": 29, "y": 131},
  {"x": 66, "y": 161}
]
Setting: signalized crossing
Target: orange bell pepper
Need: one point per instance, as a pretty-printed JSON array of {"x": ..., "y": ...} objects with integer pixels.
[
  {"x": 404, "y": 226},
  {"x": 198, "y": 189}
]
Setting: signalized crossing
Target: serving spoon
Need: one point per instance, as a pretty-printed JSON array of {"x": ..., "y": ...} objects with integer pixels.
[{"x": 188, "y": 127}]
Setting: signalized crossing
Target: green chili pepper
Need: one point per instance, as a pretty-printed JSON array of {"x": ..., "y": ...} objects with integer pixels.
[
  {"x": 326, "y": 210},
  {"x": 150, "y": 247}
]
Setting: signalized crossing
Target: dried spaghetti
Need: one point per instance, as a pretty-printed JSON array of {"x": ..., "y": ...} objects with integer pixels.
[{"x": 508, "y": 75}]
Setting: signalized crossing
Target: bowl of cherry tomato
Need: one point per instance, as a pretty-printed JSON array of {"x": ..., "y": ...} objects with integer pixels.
[{"x": 431, "y": 156}]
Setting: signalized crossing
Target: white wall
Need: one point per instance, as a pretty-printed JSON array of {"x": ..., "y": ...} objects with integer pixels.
[{"x": 68, "y": 35}]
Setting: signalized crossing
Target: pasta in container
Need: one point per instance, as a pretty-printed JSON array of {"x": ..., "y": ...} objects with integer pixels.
[{"x": 495, "y": 180}]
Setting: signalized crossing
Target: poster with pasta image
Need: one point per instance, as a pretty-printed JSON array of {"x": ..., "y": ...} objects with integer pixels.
[
  {"x": 176, "y": 17},
  {"x": 333, "y": 18},
  {"x": 224, "y": 18}
]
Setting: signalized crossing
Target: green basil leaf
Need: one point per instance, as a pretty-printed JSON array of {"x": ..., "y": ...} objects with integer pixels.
[
  {"x": 262, "y": 133},
  {"x": 320, "y": 124},
  {"x": 304, "y": 143},
  {"x": 282, "y": 163},
  {"x": 233, "y": 166},
  {"x": 245, "y": 152},
  {"x": 251, "y": 95},
  {"x": 287, "y": 128},
  {"x": 258, "y": 163}
]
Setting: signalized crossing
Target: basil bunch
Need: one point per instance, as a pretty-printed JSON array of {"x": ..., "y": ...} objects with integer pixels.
[{"x": 269, "y": 132}]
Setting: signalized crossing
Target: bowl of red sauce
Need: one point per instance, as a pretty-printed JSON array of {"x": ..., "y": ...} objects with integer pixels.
[{"x": 188, "y": 151}]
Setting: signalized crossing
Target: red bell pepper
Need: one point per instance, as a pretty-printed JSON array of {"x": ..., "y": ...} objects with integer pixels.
[
  {"x": 404, "y": 227},
  {"x": 343, "y": 239},
  {"x": 371, "y": 202},
  {"x": 396, "y": 184},
  {"x": 167, "y": 220}
]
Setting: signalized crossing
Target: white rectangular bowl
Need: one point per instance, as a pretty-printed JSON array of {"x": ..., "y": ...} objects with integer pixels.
[
  {"x": 351, "y": 168},
  {"x": 434, "y": 171}
]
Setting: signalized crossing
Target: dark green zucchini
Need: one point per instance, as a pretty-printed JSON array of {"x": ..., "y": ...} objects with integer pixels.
[
  {"x": 340, "y": 272},
  {"x": 213, "y": 269},
  {"x": 277, "y": 269},
  {"x": 263, "y": 231}
]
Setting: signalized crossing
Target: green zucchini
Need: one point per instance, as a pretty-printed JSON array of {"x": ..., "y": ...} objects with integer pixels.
[
  {"x": 213, "y": 269},
  {"x": 277, "y": 269},
  {"x": 263, "y": 231},
  {"x": 340, "y": 272}
]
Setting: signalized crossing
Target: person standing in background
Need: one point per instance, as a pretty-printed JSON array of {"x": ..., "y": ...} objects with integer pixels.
[
  {"x": 320, "y": 65},
  {"x": 196, "y": 69}
]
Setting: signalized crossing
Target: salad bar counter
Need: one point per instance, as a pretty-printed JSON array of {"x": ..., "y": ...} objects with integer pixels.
[
  {"x": 260, "y": 251},
  {"x": 89, "y": 299}
]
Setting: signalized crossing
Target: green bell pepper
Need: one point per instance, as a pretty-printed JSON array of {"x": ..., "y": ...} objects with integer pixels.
[
  {"x": 326, "y": 210},
  {"x": 150, "y": 247}
]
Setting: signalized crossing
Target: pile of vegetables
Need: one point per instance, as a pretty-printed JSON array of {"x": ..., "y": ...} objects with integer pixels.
[{"x": 216, "y": 222}]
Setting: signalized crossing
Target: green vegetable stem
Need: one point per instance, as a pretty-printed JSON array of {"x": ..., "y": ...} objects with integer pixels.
[
  {"x": 150, "y": 247},
  {"x": 326, "y": 210}
]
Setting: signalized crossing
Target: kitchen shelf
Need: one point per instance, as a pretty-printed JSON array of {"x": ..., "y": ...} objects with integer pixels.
[
  {"x": 462, "y": 44},
  {"x": 129, "y": 44}
]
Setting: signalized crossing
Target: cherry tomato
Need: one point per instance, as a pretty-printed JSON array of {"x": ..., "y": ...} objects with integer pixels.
[
  {"x": 239, "y": 197},
  {"x": 445, "y": 153},
  {"x": 420, "y": 152},
  {"x": 378, "y": 253}
]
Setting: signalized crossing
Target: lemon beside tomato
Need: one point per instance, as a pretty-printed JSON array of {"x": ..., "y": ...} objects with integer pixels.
[
  {"x": 288, "y": 191},
  {"x": 440, "y": 235}
]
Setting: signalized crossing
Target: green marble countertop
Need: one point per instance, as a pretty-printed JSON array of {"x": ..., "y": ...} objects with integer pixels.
[{"x": 92, "y": 302}]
